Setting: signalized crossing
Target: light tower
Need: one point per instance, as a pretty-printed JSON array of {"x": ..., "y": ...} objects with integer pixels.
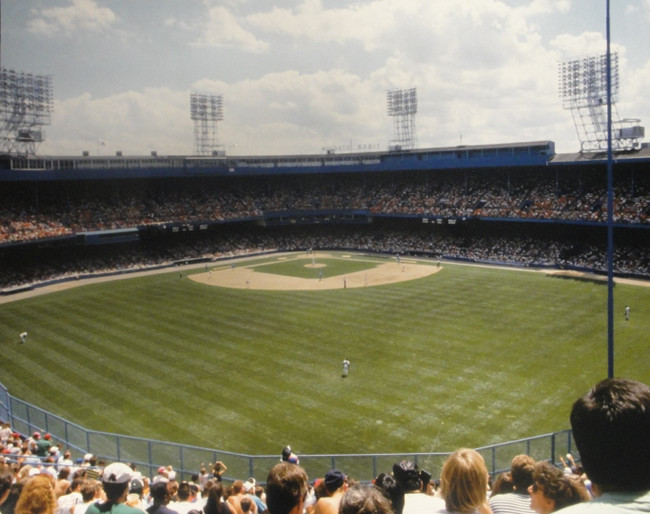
[
  {"x": 583, "y": 89},
  {"x": 25, "y": 107},
  {"x": 402, "y": 105},
  {"x": 205, "y": 110}
]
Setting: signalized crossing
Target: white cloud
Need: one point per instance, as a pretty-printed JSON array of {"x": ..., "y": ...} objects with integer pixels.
[
  {"x": 292, "y": 112},
  {"x": 486, "y": 87},
  {"x": 468, "y": 30},
  {"x": 642, "y": 10},
  {"x": 133, "y": 122},
  {"x": 80, "y": 16},
  {"x": 223, "y": 29},
  {"x": 571, "y": 46},
  {"x": 537, "y": 7},
  {"x": 174, "y": 21},
  {"x": 299, "y": 75},
  {"x": 309, "y": 20},
  {"x": 634, "y": 97}
]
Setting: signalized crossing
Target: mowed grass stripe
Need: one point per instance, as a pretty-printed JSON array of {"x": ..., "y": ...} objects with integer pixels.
[{"x": 468, "y": 356}]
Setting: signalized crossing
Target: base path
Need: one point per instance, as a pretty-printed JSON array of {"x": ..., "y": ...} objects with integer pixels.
[{"x": 254, "y": 277}]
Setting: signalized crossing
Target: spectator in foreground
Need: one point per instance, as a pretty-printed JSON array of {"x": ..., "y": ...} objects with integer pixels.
[
  {"x": 8, "y": 505},
  {"x": 250, "y": 488},
  {"x": 335, "y": 484},
  {"x": 364, "y": 499},
  {"x": 65, "y": 502},
  {"x": 502, "y": 484},
  {"x": 214, "y": 502},
  {"x": 409, "y": 480},
  {"x": 463, "y": 483},
  {"x": 286, "y": 489},
  {"x": 237, "y": 494},
  {"x": 160, "y": 499},
  {"x": 517, "y": 501},
  {"x": 116, "y": 479},
  {"x": 611, "y": 428},
  {"x": 389, "y": 487},
  {"x": 6, "y": 478},
  {"x": 187, "y": 494},
  {"x": 37, "y": 497},
  {"x": 91, "y": 491},
  {"x": 135, "y": 498},
  {"x": 553, "y": 490}
]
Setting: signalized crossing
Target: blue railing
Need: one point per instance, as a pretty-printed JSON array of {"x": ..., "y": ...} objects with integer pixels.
[{"x": 148, "y": 454}]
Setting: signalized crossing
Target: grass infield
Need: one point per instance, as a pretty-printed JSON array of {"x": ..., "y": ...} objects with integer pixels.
[
  {"x": 327, "y": 267},
  {"x": 468, "y": 356}
]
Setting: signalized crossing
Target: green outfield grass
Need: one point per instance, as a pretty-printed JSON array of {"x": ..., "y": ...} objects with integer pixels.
[{"x": 469, "y": 356}]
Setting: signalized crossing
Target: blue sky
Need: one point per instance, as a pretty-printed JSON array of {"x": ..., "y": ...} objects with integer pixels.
[{"x": 300, "y": 75}]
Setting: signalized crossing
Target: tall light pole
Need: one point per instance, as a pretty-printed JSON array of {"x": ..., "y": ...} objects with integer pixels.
[
  {"x": 610, "y": 215},
  {"x": 402, "y": 105},
  {"x": 26, "y": 104},
  {"x": 205, "y": 111}
]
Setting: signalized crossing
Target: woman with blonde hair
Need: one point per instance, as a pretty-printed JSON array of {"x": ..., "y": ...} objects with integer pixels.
[
  {"x": 464, "y": 481},
  {"x": 37, "y": 496}
]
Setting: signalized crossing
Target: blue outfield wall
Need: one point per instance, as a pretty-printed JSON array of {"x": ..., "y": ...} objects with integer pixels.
[{"x": 149, "y": 454}]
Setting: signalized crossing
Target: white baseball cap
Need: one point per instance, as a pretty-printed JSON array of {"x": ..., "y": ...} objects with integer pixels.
[{"x": 117, "y": 473}]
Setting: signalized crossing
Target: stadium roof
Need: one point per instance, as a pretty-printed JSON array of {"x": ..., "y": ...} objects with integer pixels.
[{"x": 642, "y": 154}]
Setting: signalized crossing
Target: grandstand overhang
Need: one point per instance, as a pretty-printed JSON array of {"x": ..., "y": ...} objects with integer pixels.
[{"x": 536, "y": 153}]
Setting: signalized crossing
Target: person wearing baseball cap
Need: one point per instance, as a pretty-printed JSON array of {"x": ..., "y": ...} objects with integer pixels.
[
  {"x": 336, "y": 483},
  {"x": 116, "y": 479}
]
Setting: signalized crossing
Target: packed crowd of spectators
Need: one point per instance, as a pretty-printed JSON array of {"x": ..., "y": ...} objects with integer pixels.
[
  {"x": 515, "y": 250},
  {"x": 77, "y": 484},
  {"x": 40, "y": 212},
  {"x": 482, "y": 195},
  {"x": 609, "y": 424}
]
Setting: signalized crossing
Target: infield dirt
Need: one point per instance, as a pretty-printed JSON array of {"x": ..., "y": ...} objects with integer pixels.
[{"x": 254, "y": 277}]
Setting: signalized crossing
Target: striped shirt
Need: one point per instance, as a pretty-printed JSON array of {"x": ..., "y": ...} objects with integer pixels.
[{"x": 511, "y": 503}]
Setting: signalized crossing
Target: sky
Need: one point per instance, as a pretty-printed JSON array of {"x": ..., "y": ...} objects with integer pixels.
[{"x": 302, "y": 76}]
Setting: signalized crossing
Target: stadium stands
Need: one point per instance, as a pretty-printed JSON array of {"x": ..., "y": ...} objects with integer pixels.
[{"x": 473, "y": 214}]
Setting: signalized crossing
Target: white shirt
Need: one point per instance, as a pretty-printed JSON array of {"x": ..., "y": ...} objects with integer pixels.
[
  {"x": 613, "y": 503},
  {"x": 417, "y": 503}
]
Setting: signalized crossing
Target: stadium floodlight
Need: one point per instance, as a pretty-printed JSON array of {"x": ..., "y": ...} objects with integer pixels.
[
  {"x": 402, "y": 105},
  {"x": 25, "y": 107},
  {"x": 205, "y": 111},
  {"x": 583, "y": 90}
]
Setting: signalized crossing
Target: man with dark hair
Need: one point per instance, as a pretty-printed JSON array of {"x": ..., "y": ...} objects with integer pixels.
[
  {"x": 611, "y": 428},
  {"x": 90, "y": 493},
  {"x": 116, "y": 479},
  {"x": 8, "y": 505},
  {"x": 160, "y": 498},
  {"x": 246, "y": 504},
  {"x": 409, "y": 480},
  {"x": 186, "y": 494},
  {"x": 517, "y": 501},
  {"x": 286, "y": 489},
  {"x": 65, "y": 502},
  {"x": 336, "y": 484},
  {"x": 6, "y": 479}
]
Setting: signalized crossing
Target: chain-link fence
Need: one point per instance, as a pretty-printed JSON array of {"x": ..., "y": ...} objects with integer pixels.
[{"x": 148, "y": 455}]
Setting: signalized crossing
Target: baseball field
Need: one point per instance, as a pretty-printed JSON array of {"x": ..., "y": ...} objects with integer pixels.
[{"x": 245, "y": 355}]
